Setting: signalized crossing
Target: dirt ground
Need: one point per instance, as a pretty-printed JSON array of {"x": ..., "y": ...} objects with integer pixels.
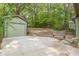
[{"x": 45, "y": 32}]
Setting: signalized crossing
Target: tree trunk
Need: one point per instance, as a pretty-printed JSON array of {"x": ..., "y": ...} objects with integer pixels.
[
  {"x": 76, "y": 7},
  {"x": 66, "y": 16},
  {"x": 18, "y": 9},
  {"x": 48, "y": 14},
  {"x": 35, "y": 14},
  {"x": 1, "y": 41}
]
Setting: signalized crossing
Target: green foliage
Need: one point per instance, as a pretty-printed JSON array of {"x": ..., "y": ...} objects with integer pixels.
[
  {"x": 39, "y": 15},
  {"x": 47, "y": 15},
  {"x": 4, "y": 15}
]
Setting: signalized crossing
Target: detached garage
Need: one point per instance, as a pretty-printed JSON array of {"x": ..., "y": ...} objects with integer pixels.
[{"x": 16, "y": 27}]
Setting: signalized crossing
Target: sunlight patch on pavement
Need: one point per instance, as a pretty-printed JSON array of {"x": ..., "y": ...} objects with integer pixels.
[
  {"x": 13, "y": 44},
  {"x": 50, "y": 50},
  {"x": 34, "y": 39}
]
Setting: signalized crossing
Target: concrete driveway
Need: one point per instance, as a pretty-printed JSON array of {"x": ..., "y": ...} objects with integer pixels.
[{"x": 36, "y": 46}]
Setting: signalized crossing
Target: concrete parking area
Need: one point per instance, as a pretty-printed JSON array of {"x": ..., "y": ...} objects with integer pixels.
[{"x": 36, "y": 46}]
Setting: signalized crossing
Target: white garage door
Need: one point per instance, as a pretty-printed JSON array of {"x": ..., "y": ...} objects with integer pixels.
[{"x": 14, "y": 29}]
